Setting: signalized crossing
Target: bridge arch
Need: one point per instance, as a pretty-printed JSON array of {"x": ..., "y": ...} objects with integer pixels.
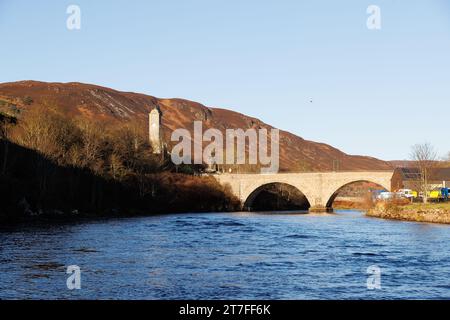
[
  {"x": 335, "y": 193},
  {"x": 292, "y": 197}
]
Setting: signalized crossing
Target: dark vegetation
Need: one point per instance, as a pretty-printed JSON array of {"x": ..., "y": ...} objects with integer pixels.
[{"x": 55, "y": 166}]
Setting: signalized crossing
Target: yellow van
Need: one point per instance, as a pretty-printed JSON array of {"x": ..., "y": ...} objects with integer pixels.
[{"x": 436, "y": 194}]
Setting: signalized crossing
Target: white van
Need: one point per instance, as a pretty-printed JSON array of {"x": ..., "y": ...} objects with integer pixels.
[{"x": 407, "y": 193}]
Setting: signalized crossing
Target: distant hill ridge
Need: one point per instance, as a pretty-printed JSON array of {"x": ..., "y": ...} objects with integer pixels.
[{"x": 101, "y": 103}]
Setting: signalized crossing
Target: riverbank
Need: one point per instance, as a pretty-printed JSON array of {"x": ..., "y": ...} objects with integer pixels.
[
  {"x": 419, "y": 212},
  {"x": 38, "y": 186},
  {"x": 350, "y": 203}
]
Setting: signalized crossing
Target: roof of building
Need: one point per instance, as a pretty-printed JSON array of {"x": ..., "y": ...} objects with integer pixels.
[{"x": 438, "y": 174}]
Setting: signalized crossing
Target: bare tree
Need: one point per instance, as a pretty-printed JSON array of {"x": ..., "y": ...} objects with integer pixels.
[
  {"x": 425, "y": 156},
  {"x": 93, "y": 144},
  {"x": 6, "y": 122}
]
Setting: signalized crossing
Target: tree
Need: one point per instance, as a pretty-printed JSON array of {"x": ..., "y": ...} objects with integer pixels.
[
  {"x": 6, "y": 122},
  {"x": 51, "y": 133},
  {"x": 424, "y": 155},
  {"x": 93, "y": 144}
]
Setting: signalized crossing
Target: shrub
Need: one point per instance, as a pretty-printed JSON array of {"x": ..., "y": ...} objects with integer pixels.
[{"x": 27, "y": 100}]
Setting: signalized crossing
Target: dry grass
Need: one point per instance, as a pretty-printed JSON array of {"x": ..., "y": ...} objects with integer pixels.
[
  {"x": 420, "y": 212},
  {"x": 428, "y": 206}
]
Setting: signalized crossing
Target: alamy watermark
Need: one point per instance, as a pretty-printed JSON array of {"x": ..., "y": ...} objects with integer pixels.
[
  {"x": 73, "y": 21},
  {"x": 374, "y": 278},
  {"x": 230, "y": 151},
  {"x": 74, "y": 280},
  {"x": 374, "y": 20}
]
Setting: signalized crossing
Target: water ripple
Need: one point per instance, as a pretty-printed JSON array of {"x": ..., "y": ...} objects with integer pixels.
[{"x": 227, "y": 256}]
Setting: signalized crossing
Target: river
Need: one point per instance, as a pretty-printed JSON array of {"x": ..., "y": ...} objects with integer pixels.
[{"x": 228, "y": 256}]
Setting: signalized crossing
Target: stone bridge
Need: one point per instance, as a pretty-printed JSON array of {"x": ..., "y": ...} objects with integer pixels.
[{"x": 319, "y": 188}]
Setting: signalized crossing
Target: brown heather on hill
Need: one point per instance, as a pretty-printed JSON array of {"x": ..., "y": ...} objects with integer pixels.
[{"x": 111, "y": 106}]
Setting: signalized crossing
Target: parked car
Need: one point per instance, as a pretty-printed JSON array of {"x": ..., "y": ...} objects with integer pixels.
[
  {"x": 387, "y": 196},
  {"x": 446, "y": 193},
  {"x": 407, "y": 193},
  {"x": 376, "y": 193},
  {"x": 439, "y": 194}
]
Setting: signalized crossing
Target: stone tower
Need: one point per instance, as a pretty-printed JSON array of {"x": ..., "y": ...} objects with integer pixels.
[{"x": 154, "y": 130}]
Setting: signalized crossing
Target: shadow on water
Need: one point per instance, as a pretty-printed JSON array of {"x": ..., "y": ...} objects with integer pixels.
[{"x": 274, "y": 212}]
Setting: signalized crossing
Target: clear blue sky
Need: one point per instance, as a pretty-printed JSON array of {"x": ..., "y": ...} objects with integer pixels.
[{"x": 374, "y": 92}]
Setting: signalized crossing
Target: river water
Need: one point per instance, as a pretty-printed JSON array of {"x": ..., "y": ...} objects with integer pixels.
[{"x": 228, "y": 256}]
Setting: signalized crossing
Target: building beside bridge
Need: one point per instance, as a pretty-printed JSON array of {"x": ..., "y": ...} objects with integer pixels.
[{"x": 410, "y": 178}]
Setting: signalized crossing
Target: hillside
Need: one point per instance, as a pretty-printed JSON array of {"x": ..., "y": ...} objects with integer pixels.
[{"x": 111, "y": 106}]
